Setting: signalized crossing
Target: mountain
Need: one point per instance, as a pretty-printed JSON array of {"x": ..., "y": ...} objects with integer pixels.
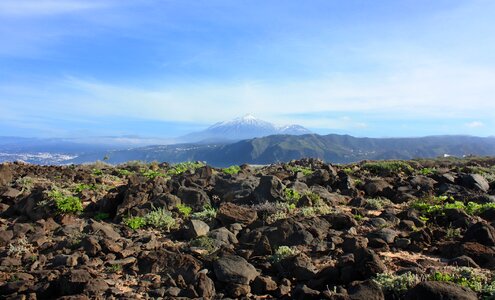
[
  {"x": 281, "y": 148},
  {"x": 246, "y": 127}
]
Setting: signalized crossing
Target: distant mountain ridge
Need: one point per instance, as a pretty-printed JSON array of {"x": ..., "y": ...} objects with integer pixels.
[
  {"x": 246, "y": 127},
  {"x": 332, "y": 148}
]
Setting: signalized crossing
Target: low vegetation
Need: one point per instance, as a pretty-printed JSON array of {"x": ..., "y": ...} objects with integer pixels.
[
  {"x": 207, "y": 214},
  {"x": 232, "y": 170},
  {"x": 159, "y": 218},
  {"x": 65, "y": 204},
  {"x": 284, "y": 252},
  {"x": 381, "y": 167},
  {"x": 183, "y": 167}
]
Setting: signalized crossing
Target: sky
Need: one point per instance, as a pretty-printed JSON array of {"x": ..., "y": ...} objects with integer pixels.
[{"x": 385, "y": 68}]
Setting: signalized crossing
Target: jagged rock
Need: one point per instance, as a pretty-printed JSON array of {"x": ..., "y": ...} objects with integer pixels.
[
  {"x": 91, "y": 245},
  {"x": 105, "y": 230},
  {"x": 352, "y": 243},
  {"x": 223, "y": 235},
  {"x": 238, "y": 290},
  {"x": 196, "y": 228},
  {"x": 205, "y": 287},
  {"x": 229, "y": 213},
  {"x": 305, "y": 293},
  {"x": 234, "y": 190},
  {"x": 377, "y": 187},
  {"x": 73, "y": 282},
  {"x": 167, "y": 262},
  {"x": 341, "y": 221},
  {"x": 368, "y": 263},
  {"x": 96, "y": 287},
  {"x": 6, "y": 175},
  {"x": 475, "y": 182},
  {"x": 284, "y": 288},
  {"x": 440, "y": 290},
  {"x": 463, "y": 261},
  {"x": 194, "y": 197},
  {"x": 19, "y": 286},
  {"x": 483, "y": 255},
  {"x": 423, "y": 183},
  {"x": 5, "y": 237},
  {"x": 482, "y": 233},
  {"x": 386, "y": 234},
  {"x": 234, "y": 269},
  {"x": 299, "y": 267},
  {"x": 263, "y": 284},
  {"x": 368, "y": 290},
  {"x": 270, "y": 189}
]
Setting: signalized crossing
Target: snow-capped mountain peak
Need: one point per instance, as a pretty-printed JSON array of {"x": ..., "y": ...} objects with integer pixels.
[{"x": 245, "y": 127}]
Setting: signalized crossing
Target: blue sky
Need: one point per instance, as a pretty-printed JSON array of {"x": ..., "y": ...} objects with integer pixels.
[{"x": 78, "y": 68}]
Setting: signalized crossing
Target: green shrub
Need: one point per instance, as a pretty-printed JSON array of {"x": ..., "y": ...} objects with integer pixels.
[
  {"x": 396, "y": 284},
  {"x": 97, "y": 172},
  {"x": 65, "y": 203},
  {"x": 207, "y": 214},
  {"x": 315, "y": 198},
  {"x": 135, "y": 222},
  {"x": 160, "y": 218},
  {"x": 296, "y": 169},
  {"x": 151, "y": 174},
  {"x": 358, "y": 182},
  {"x": 488, "y": 291},
  {"x": 348, "y": 171},
  {"x": 204, "y": 242},
  {"x": 82, "y": 187},
  {"x": 124, "y": 172},
  {"x": 291, "y": 196},
  {"x": 284, "y": 252},
  {"x": 25, "y": 183},
  {"x": 183, "y": 167},
  {"x": 376, "y": 203},
  {"x": 316, "y": 210},
  {"x": 428, "y": 171},
  {"x": 388, "y": 166},
  {"x": 184, "y": 210},
  {"x": 463, "y": 276},
  {"x": 358, "y": 217},
  {"x": 279, "y": 215},
  {"x": 438, "y": 205},
  {"x": 232, "y": 170},
  {"x": 114, "y": 268}
]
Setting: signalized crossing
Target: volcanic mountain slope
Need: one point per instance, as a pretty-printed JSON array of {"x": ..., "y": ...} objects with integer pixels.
[
  {"x": 303, "y": 230},
  {"x": 282, "y": 148},
  {"x": 246, "y": 127}
]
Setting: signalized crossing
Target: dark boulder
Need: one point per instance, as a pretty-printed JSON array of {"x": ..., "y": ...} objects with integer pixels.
[
  {"x": 270, "y": 189},
  {"x": 440, "y": 290},
  {"x": 167, "y": 262},
  {"x": 368, "y": 290},
  {"x": 193, "y": 197},
  {"x": 234, "y": 269},
  {"x": 475, "y": 182},
  {"x": 482, "y": 233},
  {"x": 229, "y": 213}
]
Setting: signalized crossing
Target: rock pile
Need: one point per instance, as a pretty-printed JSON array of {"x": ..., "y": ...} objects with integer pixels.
[{"x": 299, "y": 230}]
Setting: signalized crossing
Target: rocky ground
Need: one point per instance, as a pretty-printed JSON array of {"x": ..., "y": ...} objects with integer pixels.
[{"x": 304, "y": 230}]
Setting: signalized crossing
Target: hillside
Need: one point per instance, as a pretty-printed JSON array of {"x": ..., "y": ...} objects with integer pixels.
[
  {"x": 304, "y": 230},
  {"x": 283, "y": 148}
]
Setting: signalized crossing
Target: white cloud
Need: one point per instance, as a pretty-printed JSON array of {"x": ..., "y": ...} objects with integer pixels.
[
  {"x": 475, "y": 124},
  {"x": 438, "y": 92}
]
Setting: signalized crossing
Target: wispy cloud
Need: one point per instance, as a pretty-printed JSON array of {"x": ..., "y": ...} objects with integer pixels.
[
  {"x": 321, "y": 65},
  {"x": 475, "y": 124}
]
